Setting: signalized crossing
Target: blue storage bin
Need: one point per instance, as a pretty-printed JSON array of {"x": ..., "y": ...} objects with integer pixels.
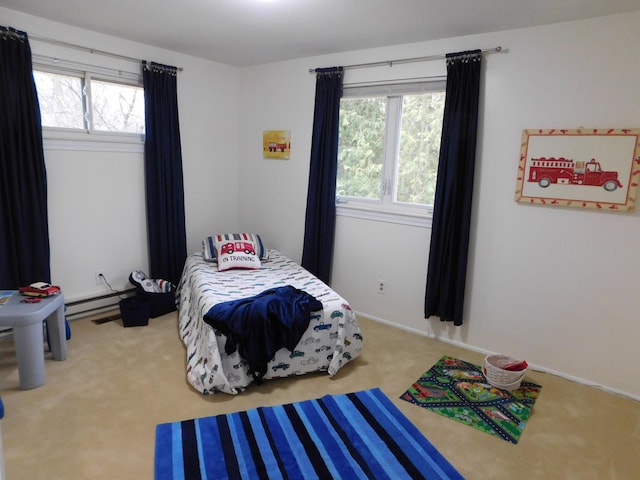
[
  {"x": 135, "y": 311},
  {"x": 161, "y": 303}
]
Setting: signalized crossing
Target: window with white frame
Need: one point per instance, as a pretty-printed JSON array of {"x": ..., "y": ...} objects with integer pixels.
[
  {"x": 82, "y": 101},
  {"x": 389, "y": 143}
]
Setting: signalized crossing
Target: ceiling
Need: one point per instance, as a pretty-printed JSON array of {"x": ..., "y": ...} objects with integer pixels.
[{"x": 251, "y": 32}]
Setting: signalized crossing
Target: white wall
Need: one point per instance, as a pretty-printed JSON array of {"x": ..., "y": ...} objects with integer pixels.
[
  {"x": 555, "y": 286},
  {"x": 96, "y": 193},
  {"x": 552, "y": 285}
]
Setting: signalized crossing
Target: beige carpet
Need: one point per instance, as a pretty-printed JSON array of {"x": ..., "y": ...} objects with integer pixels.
[{"x": 95, "y": 417}]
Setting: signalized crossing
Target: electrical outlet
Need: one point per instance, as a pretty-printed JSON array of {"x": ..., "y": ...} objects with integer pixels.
[
  {"x": 101, "y": 277},
  {"x": 382, "y": 285}
]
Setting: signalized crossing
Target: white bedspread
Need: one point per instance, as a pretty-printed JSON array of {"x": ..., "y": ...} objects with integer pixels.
[{"x": 332, "y": 339}]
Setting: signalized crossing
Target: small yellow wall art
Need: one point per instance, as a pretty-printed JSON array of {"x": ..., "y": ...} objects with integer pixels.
[{"x": 276, "y": 144}]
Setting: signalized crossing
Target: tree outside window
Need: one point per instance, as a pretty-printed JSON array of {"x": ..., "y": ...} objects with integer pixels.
[{"x": 389, "y": 146}]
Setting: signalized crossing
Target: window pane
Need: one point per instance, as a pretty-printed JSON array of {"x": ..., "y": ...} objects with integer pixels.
[
  {"x": 420, "y": 131},
  {"x": 117, "y": 107},
  {"x": 60, "y": 98},
  {"x": 360, "y": 148}
]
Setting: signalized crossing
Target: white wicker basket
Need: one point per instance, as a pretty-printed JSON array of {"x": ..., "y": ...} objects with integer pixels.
[{"x": 497, "y": 376}]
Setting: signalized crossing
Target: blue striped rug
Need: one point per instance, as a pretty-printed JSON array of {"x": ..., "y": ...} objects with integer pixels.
[{"x": 352, "y": 436}]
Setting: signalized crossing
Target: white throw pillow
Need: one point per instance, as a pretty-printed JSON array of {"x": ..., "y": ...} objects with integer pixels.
[
  {"x": 235, "y": 254},
  {"x": 209, "y": 251}
]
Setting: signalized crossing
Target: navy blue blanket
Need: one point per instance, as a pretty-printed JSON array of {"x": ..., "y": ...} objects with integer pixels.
[{"x": 261, "y": 325}]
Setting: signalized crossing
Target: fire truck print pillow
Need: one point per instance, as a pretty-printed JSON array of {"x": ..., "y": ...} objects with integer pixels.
[
  {"x": 235, "y": 254},
  {"x": 209, "y": 249},
  {"x": 585, "y": 168}
]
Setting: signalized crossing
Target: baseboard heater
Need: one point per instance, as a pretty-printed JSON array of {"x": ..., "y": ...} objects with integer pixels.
[{"x": 96, "y": 305}]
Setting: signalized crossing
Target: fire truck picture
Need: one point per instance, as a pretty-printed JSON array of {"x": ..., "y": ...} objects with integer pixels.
[
  {"x": 233, "y": 247},
  {"x": 562, "y": 171},
  {"x": 275, "y": 146}
]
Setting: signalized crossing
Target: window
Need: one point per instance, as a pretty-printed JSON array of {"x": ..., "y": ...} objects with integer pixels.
[
  {"x": 389, "y": 143},
  {"x": 77, "y": 101},
  {"x": 117, "y": 107},
  {"x": 60, "y": 98}
]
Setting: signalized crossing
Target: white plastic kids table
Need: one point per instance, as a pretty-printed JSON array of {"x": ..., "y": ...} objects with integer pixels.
[{"x": 26, "y": 320}]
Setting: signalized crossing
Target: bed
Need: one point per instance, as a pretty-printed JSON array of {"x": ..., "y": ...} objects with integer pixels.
[{"x": 331, "y": 340}]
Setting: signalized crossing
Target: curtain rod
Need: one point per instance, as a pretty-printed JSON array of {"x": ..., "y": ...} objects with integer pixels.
[
  {"x": 390, "y": 63},
  {"x": 87, "y": 49}
]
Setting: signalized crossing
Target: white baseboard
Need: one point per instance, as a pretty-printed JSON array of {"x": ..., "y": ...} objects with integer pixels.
[
  {"x": 487, "y": 352},
  {"x": 85, "y": 307}
]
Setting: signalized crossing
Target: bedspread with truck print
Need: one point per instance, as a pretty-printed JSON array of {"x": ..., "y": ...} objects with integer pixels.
[{"x": 331, "y": 339}]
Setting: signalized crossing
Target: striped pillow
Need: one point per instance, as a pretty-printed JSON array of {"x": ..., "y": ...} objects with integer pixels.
[{"x": 209, "y": 251}]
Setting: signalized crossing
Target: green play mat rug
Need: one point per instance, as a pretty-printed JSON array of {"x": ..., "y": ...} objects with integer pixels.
[{"x": 458, "y": 390}]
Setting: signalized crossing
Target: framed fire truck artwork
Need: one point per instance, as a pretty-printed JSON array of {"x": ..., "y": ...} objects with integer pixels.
[
  {"x": 276, "y": 144},
  {"x": 584, "y": 168}
]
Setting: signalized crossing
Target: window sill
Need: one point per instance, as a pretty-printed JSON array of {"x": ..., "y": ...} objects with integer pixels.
[{"x": 422, "y": 220}]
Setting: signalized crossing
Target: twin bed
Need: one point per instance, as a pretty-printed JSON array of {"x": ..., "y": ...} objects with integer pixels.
[{"x": 331, "y": 339}]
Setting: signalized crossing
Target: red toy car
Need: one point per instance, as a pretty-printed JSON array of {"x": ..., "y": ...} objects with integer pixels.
[{"x": 39, "y": 289}]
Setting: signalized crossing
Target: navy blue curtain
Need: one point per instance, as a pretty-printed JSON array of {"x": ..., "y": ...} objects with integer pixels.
[
  {"x": 164, "y": 184},
  {"x": 320, "y": 218},
  {"x": 447, "y": 269},
  {"x": 24, "y": 234}
]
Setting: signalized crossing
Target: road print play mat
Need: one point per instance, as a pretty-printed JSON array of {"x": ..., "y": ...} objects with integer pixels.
[{"x": 458, "y": 390}]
